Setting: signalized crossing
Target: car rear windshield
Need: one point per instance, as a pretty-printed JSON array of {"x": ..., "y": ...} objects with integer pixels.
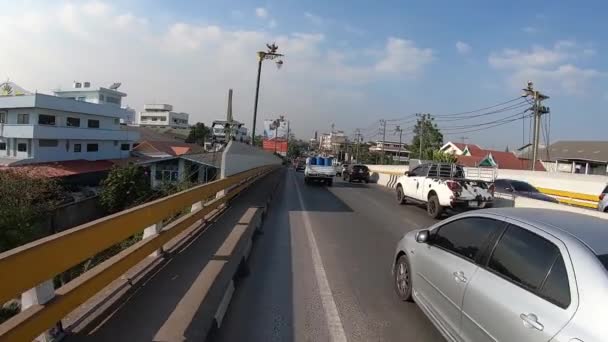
[
  {"x": 523, "y": 186},
  {"x": 360, "y": 167},
  {"x": 604, "y": 260}
]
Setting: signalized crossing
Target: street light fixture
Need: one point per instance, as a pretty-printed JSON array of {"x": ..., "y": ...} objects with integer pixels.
[{"x": 271, "y": 54}]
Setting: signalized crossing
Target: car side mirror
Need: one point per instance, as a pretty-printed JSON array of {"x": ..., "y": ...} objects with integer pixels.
[
  {"x": 407, "y": 173},
  {"x": 509, "y": 189},
  {"x": 423, "y": 236}
]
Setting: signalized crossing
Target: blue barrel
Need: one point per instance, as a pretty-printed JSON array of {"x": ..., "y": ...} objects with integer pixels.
[
  {"x": 320, "y": 161},
  {"x": 311, "y": 161},
  {"x": 328, "y": 161}
]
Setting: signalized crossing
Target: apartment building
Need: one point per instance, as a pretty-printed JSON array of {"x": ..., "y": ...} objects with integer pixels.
[
  {"x": 37, "y": 128},
  {"x": 163, "y": 116}
]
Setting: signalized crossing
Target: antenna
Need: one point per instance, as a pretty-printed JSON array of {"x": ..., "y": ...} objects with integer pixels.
[{"x": 115, "y": 85}]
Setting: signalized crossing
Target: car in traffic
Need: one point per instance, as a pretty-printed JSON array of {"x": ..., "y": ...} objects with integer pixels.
[
  {"x": 521, "y": 188},
  {"x": 603, "y": 203},
  {"x": 440, "y": 186},
  {"x": 509, "y": 274},
  {"x": 340, "y": 169},
  {"x": 319, "y": 169},
  {"x": 300, "y": 165},
  {"x": 356, "y": 172}
]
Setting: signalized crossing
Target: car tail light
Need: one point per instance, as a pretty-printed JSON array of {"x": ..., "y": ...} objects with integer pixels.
[
  {"x": 454, "y": 186},
  {"x": 602, "y": 197},
  {"x": 492, "y": 188}
]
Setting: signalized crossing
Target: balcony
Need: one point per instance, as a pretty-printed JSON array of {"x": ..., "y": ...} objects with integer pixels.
[{"x": 59, "y": 132}]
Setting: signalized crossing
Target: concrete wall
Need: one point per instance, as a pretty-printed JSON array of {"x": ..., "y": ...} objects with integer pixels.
[{"x": 239, "y": 157}]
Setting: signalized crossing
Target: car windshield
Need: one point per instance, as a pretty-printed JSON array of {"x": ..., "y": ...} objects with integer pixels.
[
  {"x": 360, "y": 167},
  {"x": 604, "y": 260},
  {"x": 523, "y": 187}
]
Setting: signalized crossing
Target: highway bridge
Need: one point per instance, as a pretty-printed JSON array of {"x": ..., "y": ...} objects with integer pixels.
[{"x": 318, "y": 268}]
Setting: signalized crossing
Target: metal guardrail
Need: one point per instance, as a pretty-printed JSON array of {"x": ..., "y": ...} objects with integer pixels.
[
  {"x": 34, "y": 263},
  {"x": 572, "y": 198}
]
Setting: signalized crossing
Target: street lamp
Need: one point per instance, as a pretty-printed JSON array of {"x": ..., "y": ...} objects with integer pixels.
[{"x": 271, "y": 54}]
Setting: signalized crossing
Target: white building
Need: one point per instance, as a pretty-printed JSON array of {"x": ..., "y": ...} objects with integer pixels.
[
  {"x": 37, "y": 128},
  {"x": 397, "y": 151},
  {"x": 82, "y": 91},
  {"x": 236, "y": 130},
  {"x": 163, "y": 116},
  {"x": 332, "y": 142}
]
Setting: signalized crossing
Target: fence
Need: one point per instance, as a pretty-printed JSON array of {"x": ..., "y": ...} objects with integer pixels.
[{"x": 31, "y": 267}]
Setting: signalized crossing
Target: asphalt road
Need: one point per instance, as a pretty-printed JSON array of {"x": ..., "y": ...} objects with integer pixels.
[{"x": 321, "y": 270}]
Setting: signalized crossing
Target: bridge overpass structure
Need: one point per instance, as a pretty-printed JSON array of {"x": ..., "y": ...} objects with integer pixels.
[{"x": 254, "y": 256}]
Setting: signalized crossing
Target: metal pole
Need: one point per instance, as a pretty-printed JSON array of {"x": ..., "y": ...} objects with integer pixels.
[
  {"x": 288, "y": 136},
  {"x": 383, "y": 138},
  {"x": 536, "y": 130},
  {"x": 399, "y": 153},
  {"x": 276, "y": 134},
  {"x": 257, "y": 93},
  {"x": 421, "y": 134}
]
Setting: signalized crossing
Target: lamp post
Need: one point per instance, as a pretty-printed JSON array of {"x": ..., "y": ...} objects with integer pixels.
[{"x": 271, "y": 54}]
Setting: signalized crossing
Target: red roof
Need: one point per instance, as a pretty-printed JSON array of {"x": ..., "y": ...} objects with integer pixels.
[
  {"x": 474, "y": 149},
  {"x": 69, "y": 167},
  {"x": 172, "y": 148},
  {"x": 504, "y": 160}
]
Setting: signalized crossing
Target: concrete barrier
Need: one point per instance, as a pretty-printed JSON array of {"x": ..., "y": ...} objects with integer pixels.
[{"x": 239, "y": 157}]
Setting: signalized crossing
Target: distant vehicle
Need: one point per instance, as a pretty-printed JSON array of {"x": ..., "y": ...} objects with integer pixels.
[
  {"x": 318, "y": 173},
  {"x": 441, "y": 186},
  {"x": 300, "y": 165},
  {"x": 603, "y": 204},
  {"x": 509, "y": 274},
  {"x": 356, "y": 173},
  {"x": 521, "y": 188}
]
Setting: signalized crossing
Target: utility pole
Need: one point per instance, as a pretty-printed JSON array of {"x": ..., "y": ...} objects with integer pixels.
[
  {"x": 288, "y": 137},
  {"x": 358, "y": 140},
  {"x": 539, "y": 110},
  {"x": 421, "y": 132},
  {"x": 383, "y": 123},
  {"x": 398, "y": 129}
]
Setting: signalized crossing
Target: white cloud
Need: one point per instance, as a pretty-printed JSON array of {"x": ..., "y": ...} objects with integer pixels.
[
  {"x": 192, "y": 65},
  {"x": 313, "y": 18},
  {"x": 261, "y": 12},
  {"x": 550, "y": 68},
  {"x": 403, "y": 57},
  {"x": 463, "y": 48},
  {"x": 272, "y": 23},
  {"x": 530, "y": 29}
]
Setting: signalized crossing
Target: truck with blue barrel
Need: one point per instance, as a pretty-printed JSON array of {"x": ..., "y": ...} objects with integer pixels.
[{"x": 319, "y": 169}]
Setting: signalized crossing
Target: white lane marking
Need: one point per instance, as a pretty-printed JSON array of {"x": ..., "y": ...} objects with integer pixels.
[{"x": 334, "y": 324}]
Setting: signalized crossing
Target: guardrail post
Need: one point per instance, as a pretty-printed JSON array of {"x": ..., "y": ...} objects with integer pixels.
[
  {"x": 39, "y": 295},
  {"x": 151, "y": 231}
]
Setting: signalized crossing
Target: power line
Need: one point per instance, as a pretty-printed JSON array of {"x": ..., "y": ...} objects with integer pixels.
[
  {"x": 485, "y": 128},
  {"x": 481, "y": 124}
]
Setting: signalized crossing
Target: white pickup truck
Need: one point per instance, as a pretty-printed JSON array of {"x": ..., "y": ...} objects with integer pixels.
[
  {"x": 442, "y": 186},
  {"x": 319, "y": 173}
]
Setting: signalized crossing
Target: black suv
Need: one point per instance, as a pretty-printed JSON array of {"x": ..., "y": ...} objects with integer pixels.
[{"x": 356, "y": 172}]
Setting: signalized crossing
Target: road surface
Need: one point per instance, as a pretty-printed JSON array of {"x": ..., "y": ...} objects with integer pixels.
[{"x": 321, "y": 270}]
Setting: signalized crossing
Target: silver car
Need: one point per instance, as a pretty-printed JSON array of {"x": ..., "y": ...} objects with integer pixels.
[
  {"x": 603, "y": 204},
  {"x": 510, "y": 274}
]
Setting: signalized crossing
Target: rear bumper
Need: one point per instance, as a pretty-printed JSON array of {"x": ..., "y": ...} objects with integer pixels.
[
  {"x": 471, "y": 204},
  {"x": 358, "y": 177}
]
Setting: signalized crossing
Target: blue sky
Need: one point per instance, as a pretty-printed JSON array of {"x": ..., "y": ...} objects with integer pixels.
[{"x": 348, "y": 63}]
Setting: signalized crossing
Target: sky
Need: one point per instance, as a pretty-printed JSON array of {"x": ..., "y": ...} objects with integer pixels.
[{"x": 347, "y": 63}]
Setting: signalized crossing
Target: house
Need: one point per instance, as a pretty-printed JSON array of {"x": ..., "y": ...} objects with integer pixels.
[
  {"x": 40, "y": 128},
  {"x": 164, "y": 149},
  {"x": 576, "y": 156},
  {"x": 162, "y": 116},
  {"x": 472, "y": 155},
  {"x": 395, "y": 150}
]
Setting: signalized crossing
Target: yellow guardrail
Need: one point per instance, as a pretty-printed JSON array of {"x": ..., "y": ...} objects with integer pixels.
[
  {"x": 33, "y": 263},
  {"x": 572, "y": 198}
]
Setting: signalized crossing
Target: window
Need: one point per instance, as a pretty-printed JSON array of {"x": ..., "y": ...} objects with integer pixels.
[
  {"x": 2, "y": 146},
  {"x": 163, "y": 118},
  {"x": 112, "y": 99},
  {"x": 23, "y": 119},
  {"x": 116, "y": 121},
  {"x": 87, "y": 84},
  {"x": 523, "y": 257},
  {"x": 556, "y": 288},
  {"x": 115, "y": 142},
  {"x": 77, "y": 85},
  {"x": 415, "y": 172},
  {"x": 92, "y": 147},
  {"x": 93, "y": 124},
  {"x": 46, "y": 119},
  {"x": 101, "y": 97},
  {"x": 466, "y": 237},
  {"x": 2, "y": 117},
  {"x": 73, "y": 122},
  {"x": 502, "y": 185},
  {"x": 81, "y": 98},
  {"x": 125, "y": 147},
  {"x": 22, "y": 147},
  {"x": 77, "y": 147},
  {"x": 48, "y": 143}
]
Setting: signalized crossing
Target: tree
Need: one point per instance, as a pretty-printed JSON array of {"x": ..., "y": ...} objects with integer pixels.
[
  {"x": 426, "y": 136},
  {"x": 295, "y": 148},
  {"x": 441, "y": 157},
  {"x": 24, "y": 202},
  {"x": 124, "y": 187},
  {"x": 198, "y": 134},
  {"x": 258, "y": 141}
]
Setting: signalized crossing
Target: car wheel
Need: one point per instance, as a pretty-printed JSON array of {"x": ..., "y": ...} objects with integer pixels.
[
  {"x": 330, "y": 183},
  {"x": 433, "y": 208},
  {"x": 400, "y": 195},
  {"x": 403, "y": 279}
]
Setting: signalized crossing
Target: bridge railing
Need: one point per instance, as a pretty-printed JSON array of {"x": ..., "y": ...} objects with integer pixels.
[{"x": 29, "y": 269}]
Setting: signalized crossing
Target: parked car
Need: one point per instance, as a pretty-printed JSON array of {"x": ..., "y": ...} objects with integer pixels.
[
  {"x": 356, "y": 173},
  {"x": 509, "y": 274},
  {"x": 440, "y": 186},
  {"x": 340, "y": 169},
  {"x": 603, "y": 204},
  {"x": 521, "y": 188}
]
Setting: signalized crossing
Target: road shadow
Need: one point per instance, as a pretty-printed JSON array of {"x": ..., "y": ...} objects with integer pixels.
[
  {"x": 318, "y": 196},
  {"x": 356, "y": 185},
  {"x": 148, "y": 311}
]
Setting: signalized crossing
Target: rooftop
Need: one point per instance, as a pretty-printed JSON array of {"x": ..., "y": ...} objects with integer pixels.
[
  {"x": 62, "y": 104},
  {"x": 588, "y": 229}
]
